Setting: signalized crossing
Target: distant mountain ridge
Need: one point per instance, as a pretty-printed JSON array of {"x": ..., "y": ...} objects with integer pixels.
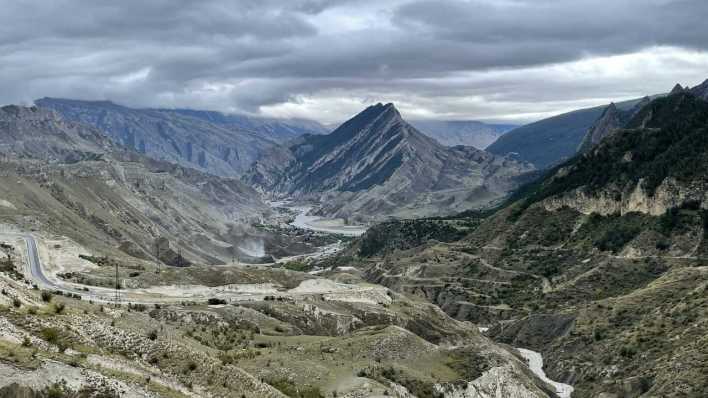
[
  {"x": 278, "y": 130},
  {"x": 548, "y": 142},
  {"x": 207, "y": 141},
  {"x": 462, "y": 132},
  {"x": 377, "y": 165}
]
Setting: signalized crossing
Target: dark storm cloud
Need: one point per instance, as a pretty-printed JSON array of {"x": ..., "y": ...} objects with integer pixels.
[
  {"x": 440, "y": 58},
  {"x": 567, "y": 29}
]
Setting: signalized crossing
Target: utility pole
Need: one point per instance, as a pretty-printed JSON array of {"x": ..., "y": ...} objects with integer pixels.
[
  {"x": 157, "y": 255},
  {"x": 117, "y": 287}
]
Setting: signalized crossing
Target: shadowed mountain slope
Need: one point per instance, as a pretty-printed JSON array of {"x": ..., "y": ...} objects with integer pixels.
[{"x": 377, "y": 165}]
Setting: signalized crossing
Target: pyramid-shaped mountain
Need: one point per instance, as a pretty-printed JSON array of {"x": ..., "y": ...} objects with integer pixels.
[{"x": 376, "y": 165}]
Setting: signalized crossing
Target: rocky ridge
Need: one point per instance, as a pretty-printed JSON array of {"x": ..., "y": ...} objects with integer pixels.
[{"x": 376, "y": 165}]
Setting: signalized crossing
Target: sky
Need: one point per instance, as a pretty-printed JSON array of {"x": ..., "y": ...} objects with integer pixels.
[{"x": 496, "y": 60}]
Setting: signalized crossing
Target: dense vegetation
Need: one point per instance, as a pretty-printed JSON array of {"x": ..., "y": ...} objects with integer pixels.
[
  {"x": 667, "y": 138},
  {"x": 405, "y": 234}
]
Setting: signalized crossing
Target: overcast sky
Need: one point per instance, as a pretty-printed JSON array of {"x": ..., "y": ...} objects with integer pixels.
[{"x": 501, "y": 60}]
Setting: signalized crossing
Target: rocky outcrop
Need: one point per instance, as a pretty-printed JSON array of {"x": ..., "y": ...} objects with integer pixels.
[
  {"x": 608, "y": 123},
  {"x": 612, "y": 119},
  {"x": 633, "y": 198},
  {"x": 501, "y": 381}
]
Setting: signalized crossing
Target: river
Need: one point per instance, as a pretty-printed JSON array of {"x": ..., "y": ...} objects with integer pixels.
[{"x": 319, "y": 224}]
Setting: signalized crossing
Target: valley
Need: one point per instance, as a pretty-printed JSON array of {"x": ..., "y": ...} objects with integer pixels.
[{"x": 368, "y": 262}]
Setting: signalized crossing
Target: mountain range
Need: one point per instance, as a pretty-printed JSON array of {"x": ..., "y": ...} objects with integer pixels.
[
  {"x": 71, "y": 179},
  {"x": 216, "y": 143},
  {"x": 462, "y": 132},
  {"x": 377, "y": 165}
]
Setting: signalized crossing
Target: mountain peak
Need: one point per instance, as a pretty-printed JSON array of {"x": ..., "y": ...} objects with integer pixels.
[
  {"x": 677, "y": 89},
  {"x": 380, "y": 109}
]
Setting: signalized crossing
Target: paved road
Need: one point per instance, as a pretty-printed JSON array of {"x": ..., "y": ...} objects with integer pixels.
[
  {"x": 36, "y": 272},
  {"x": 34, "y": 269}
]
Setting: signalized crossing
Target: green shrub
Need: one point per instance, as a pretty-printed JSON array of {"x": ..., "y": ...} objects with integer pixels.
[
  {"x": 291, "y": 390},
  {"x": 59, "y": 308},
  {"x": 50, "y": 335},
  {"x": 46, "y": 296}
]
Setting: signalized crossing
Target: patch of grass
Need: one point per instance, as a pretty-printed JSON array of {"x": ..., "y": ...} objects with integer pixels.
[
  {"x": 298, "y": 266},
  {"x": 294, "y": 391}
]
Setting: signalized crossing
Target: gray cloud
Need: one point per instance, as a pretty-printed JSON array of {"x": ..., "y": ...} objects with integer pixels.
[{"x": 503, "y": 59}]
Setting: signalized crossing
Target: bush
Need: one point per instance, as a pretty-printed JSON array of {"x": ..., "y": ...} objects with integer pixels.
[
  {"x": 59, "y": 308},
  {"x": 50, "y": 335},
  {"x": 216, "y": 301},
  {"x": 298, "y": 266},
  {"x": 16, "y": 302},
  {"x": 46, "y": 296},
  {"x": 628, "y": 351},
  {"x": 152, "y": 335}
]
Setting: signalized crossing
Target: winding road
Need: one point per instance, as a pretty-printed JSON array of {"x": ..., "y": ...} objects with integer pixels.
[
  {"x": 34, "y": 269},
  {"x": 155, "y": 295}
]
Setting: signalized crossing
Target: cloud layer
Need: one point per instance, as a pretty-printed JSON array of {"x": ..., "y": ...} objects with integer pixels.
[{"x": 514, "y": 60}]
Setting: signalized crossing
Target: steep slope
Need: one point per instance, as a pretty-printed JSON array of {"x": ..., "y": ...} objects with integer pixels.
[
  {"x": 168, "y": 135},
  {"x": 34, "y": 133},
  {"x": 462, "y": 132},
  {"x": 70, "y": 179},
  {"x": 701, "y": 90},
  {"x": 377, "y": 165},
  {"x": 612, "y": 119},
  {"x": 602, "y": 266},
  {"x": 549, "y": 142},
  {"x": 278, "y": 130}
]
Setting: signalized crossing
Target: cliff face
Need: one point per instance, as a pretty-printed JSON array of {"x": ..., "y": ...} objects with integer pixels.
[{"x": 633, "y": 198}]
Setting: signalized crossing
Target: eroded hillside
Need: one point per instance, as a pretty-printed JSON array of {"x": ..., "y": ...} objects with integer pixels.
[{"x": 601, "y": 266}]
